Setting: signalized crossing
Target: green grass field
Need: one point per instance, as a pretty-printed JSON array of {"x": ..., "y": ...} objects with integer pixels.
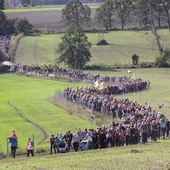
[
  {"x": 37, "y": 9},
  {"x": 24, "y": 107},
  {"x": 152, "y": 156},
  {"x": 122, "y": 45},
  {"x": 25, "y": 104}
]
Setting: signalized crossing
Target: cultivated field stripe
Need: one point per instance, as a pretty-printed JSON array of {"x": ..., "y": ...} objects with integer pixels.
[{"x": 45, "y": 134}]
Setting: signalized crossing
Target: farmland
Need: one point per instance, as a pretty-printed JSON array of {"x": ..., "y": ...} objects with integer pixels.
[
  {"x": 42, "y": 17},
  {"x": 25, "y": 103},
  {"x": 25, "y": 107},
  {"x": 122, "y": 45}
]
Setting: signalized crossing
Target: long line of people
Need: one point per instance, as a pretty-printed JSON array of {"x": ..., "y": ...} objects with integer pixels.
[
  {"x": 138, "y": 123},
  {"x": 117, "y": 134},
  {"x": 98, "y": 100}
]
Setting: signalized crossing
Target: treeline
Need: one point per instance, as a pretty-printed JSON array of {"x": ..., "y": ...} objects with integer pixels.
[{"x": 54, "y": 2}]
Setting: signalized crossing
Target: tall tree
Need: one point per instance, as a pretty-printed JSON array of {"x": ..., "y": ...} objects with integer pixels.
[
  {"x": 158, "y": 10},
  {"x": 166, "y": 7},
  {"x": 142, "y": 12},
  {"x": 22, "y": 25},
  {"x": 154, "y": 30},
  {"x": 75, "y": 14},
  {"x": 104, "y": 14},
  {"x": 123, "y": 9},
  {"x": 2, "y": 22},
  {"x": 2, "y": 6},
  {"x": 74, "y": 49}
]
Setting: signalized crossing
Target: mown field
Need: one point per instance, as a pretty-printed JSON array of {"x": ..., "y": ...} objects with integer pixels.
[{"x": 122, "y": 45}]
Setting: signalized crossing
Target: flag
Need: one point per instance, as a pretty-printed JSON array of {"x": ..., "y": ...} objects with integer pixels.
[
  {"x": 129, "y": 71},
  {"x": 96, "y": 84},
  {"x": 101, "y": 86}
]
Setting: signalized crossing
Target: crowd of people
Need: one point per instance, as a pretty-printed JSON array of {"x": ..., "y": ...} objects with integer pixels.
[
  {"x": 144, "y": 125},
  {"x": 102, "y": 99},
  {"x": 4, "y": 45}
]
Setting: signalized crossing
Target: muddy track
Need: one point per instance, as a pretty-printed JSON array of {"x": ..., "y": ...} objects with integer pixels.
[{"x": 45, "y": 134}]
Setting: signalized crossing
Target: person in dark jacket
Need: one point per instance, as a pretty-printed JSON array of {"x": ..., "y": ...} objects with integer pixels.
[
  {"x": 102, "y": 139},
  {"x": 52, "y": 144}
]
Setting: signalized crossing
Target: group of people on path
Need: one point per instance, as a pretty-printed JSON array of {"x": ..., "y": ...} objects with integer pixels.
[{"x": 137, "y": 129}]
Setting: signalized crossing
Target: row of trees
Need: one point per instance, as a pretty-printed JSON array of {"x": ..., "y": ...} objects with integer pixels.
[
  {"x": 14, "y": 25},
  {"x": 132, "y": 10},
  {"x": 74, "y": 48}
]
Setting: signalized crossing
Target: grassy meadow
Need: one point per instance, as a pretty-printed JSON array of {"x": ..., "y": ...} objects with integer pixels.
[
  {"x": 25, "y": 104},
  {"x": 122, "y": 45},
  {"x": 25, "y": 107},
  {"x": 152, "y": 156}
]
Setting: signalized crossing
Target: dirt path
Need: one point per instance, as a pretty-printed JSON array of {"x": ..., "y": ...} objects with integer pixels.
[{"x": 45, "y": 134}]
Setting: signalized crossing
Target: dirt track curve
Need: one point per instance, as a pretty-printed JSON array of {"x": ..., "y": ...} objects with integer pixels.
[{"x": 45, "y": 134}]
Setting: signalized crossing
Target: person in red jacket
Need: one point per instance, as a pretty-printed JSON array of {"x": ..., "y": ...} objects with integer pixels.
[{"x": 30, "y": 147}]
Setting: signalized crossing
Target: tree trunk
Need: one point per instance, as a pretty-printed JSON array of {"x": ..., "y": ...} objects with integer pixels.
[{"x": 154, "y": 30}]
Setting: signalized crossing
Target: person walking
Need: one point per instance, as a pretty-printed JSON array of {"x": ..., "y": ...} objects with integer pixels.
[
  {"x": 13, "y": 142},
  {"x": 52, "y": 144},
  {"x": 30, "y": 147}
]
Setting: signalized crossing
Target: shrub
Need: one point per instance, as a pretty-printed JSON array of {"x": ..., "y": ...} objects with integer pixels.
[
  {"x": 103, "y": 42},
  {"x": 163, "y": 60}
]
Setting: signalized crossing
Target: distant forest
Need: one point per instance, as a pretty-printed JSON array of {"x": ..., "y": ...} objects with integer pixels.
[{"x": 54, "y": 2}]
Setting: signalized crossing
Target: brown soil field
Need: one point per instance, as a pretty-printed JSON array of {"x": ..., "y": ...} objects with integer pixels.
[{"x": 43, "y": 19}]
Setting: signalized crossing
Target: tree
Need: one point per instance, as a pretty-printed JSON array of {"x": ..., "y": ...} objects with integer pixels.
[
  {"x": 75, "y": 14},
  {"x": 142, "y": 12},
  {"x": 123, "y": 9},
  {"x": 104, "y": 14},
  {"x": 2, "y": 21},
  {"x": 163, "y": 60},
  {"x": 158, "y": 10},
  {"x": 9, "y": 27},
  {"x": 22, "y": 25},
  {"x": 154, "y": 30},
  {"x": 74, "y": 49},
  {"x": 166, "y": 7},
  {"x": 2, "y": 56},
  {"x": 2, "y": 5}
]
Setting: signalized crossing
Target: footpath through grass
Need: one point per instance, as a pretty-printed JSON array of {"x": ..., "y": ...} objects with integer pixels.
[
  {"x": 24, "y": 106},
  {"x": 122, "y": 45}
]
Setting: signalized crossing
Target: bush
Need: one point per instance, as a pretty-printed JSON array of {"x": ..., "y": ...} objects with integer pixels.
[
  {"x": 103, "y": 42},
  {"x": 163, "y": 60},
  {"x": 146, "y": 65}
]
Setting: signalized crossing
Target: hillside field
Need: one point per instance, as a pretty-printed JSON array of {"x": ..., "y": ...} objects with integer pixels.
[
  {"x": 152, "y": 156},
  {"x": 122, "y": 45},
  {"x": 25, "y": 105}
]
